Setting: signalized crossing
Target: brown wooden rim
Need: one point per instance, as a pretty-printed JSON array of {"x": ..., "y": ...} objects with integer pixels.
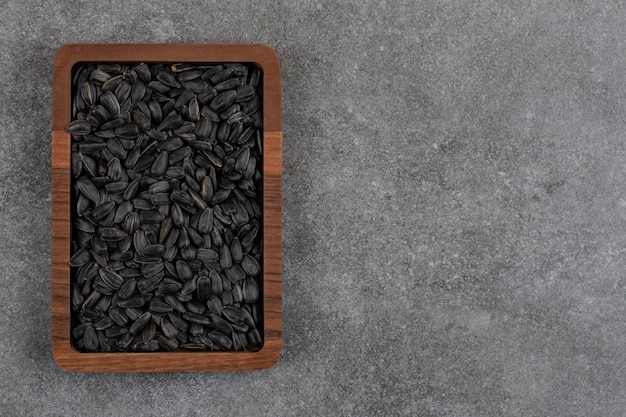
[{"x": 64, "y": 354}]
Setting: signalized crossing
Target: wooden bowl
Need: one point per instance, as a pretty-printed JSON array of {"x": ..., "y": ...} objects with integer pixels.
[{"x": 66, "y": 356}]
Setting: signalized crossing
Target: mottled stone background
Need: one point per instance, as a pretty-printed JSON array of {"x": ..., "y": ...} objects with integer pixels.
[{"x": 454, "y": 208}]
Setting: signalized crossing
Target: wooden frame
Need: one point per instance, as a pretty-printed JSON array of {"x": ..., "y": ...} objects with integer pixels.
[{"x": 64, "y": 354}]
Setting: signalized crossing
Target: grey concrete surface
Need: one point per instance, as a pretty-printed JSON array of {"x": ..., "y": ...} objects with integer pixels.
[{"x": 454, "y": 208}]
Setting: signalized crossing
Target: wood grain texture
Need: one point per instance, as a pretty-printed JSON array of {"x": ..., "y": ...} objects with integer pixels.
[{"x": 64, "y": 354}]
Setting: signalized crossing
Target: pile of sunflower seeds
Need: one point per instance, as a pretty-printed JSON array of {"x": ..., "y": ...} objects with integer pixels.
[{"x": 166, "y": 242}]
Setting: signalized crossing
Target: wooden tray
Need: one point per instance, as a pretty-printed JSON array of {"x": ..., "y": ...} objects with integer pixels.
[{"x": 64, "y": 353}]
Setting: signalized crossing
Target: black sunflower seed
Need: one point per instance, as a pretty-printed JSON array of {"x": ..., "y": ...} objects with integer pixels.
[{"x": 165, "y": 162}]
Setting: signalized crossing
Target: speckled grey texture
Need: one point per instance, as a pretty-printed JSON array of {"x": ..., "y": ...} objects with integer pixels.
[{"x": 454, "y": 208}]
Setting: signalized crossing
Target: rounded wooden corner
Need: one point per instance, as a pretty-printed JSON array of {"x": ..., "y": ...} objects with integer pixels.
[
  {"x": 269, "y": 56},
  {"x": 66, "y": 57},
  {"x": 63, "y": 53},
  {"x": 272, "y": 355},
  {"x": 62, "y": 352}
]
